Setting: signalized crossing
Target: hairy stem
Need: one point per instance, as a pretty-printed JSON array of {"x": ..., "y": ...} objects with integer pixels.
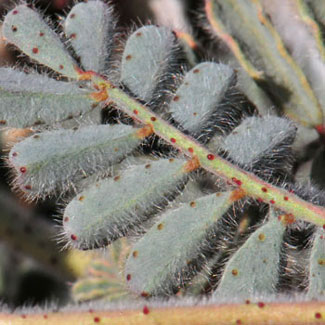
[
  {"x": 251, "y": 185},
  {"x": 247, "y": 313}
]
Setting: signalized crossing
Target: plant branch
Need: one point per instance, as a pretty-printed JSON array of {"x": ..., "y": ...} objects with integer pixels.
[
  {"x": 253, "y": 186},
  {"x": 247, "y": 313}
]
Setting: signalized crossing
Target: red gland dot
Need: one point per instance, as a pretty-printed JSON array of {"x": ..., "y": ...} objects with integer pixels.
[
  {"x": 320, "y": 129},
  {"x": 152, "y": 118},
  {"x": 173, "y": 140},
  {"x": 146, "y": 310},
  {"x": 23, "y": 170},
  {"x": 28, "y": 187},
  {"x": 324, "y": 226},
  {"x": 128, "y": 277},
  {"x": 261, "y": 304},
  {"x": 61, "y": 67},
  {"x": 35, "y": 50},
  {"x": 15, "y": 12},
  {"x": 41, "y": 34},
  {"x": 210, "y": 156},
  {"x": 318, "y": 315},
  {"x": 260, "y": 200},
  {"x": 45, "y": 316},
  {"x": 14, "y": 154},
  {"x": 96, "y": 319},
  {"x": 272, "y": 201},
  {"x": 136, "y": 112},
  {"x": 190, "y": 150},
  {"x": 286, "y": 198},
  {"x": 237, "y": 181},
  {"x": 264, "y": 189},
  {"x": 73, "y": 237}
]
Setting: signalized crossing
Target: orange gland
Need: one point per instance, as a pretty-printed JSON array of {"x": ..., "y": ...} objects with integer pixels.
[
  {"x": 85, "y": 75},
  {"x": 261, "y": 237},
  {"x": 237, "y": 194},
  {"x": 321, "y": 261},
  {"x": 192, "y": 164},
  {"x": 100, "y": 96},
  {"x": 287, "y": 219},
  {"x": 145, "y": 131}
]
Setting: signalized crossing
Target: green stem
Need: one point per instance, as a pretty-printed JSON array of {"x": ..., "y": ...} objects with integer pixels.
[{"x": 251, "y": 184}]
